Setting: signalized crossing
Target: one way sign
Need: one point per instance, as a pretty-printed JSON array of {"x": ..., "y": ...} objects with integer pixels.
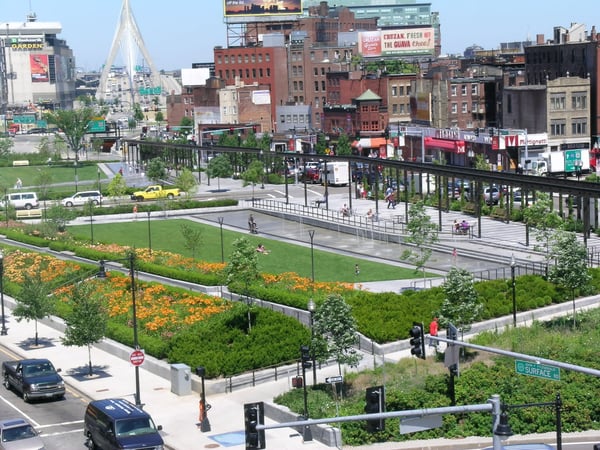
[{"x": 332, "y": 380}]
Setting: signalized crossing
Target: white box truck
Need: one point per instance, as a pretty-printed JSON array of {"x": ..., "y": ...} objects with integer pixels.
[
  {"x": 563, "y": 162},
  {"x": 337, "y": 173}
]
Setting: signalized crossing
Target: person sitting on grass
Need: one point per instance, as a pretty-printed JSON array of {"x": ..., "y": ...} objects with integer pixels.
[{"x": 261, "y": 249}]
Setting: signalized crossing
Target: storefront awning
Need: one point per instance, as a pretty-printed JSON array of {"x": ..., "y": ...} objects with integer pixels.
[
  {"x": 444, "y": 144},
  {"x": 371, "y": 142}
]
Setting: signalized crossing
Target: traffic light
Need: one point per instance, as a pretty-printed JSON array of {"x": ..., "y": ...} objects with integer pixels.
[
  {"x": 375, "y": 403},
  {"x": 417, "y": 341},
  {"x": 386, "y": 133},
  {"x": 254, "y": 414},
  {"x": 477, "y": 132},
  {"x": 305, "y": 356}
]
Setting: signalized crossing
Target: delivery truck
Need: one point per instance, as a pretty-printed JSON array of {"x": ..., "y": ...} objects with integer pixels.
[
  {"x": 335, "y": 173},
  {"x": 562, "y": 162}
]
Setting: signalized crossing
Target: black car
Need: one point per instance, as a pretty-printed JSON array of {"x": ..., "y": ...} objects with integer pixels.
[{"x": 37, "y": 131}]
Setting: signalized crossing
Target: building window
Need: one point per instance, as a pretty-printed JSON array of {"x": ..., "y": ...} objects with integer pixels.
[
  {"x": 474, "y": 107},
  {"x": 239, "y": 59},
  {"x": 474, "y": 89},
  {"x": 558, "y": 127},
  {"x": 364, "y": 108},
  {"x": 323, "y": 71},
  {"x": 453, "y": 91},
  {"x": 464, "y": 109},
  {"x": 267, "y": 57},
  {"x": 323, "y": 86},
  {"x": 402, "y": 108},
  {"x": 226, "y": 59},
  {"x": 316, "y": 70},
  {"x": 454, "y": 108},
  {"x": 374, "y": 125},
  {"x": 260, "y": 73},
  {"x": 282, "y": 118},
  {"x": 316, "y": 85},
  {"x": 579, "y": 126},
  {"x": 394, "y": 109},
  {"x": 288, "y": 118},
  {"x": 558, "y": 102},
  {"x": 394, "y": 91},
  {"x": 579, "y": 100},
  {"x": 253, "y": 58},
  {"x": 247, "y": 73},
  {"x": 295, "y": 85},
  {"x": 401, "y": 91},
  {"x": 301, "y": 85},
  {"x": 268, "y": 71},
  {"x": 312, "y": 56},
  {"x": 463, "y": 90},
  {"x": 246, "y": 59},
  {"x": 241, "y": 73},
  {"x": 227, "y": 74},
  {"x": 253, "y": 73},
  {"x": 218, "y": 59},
  {"x": 316, "y": 102},
  {"x": 374, "y": 108},
  {"x": 260, "y": 57}
]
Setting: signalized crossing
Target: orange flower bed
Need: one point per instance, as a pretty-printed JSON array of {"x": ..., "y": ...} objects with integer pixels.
[{"x": 293, "y": 282}]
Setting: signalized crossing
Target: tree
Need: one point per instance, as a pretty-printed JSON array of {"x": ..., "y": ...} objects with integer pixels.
[
  {"x": 74, "y": 123},
  {"x": 253, "y": 174},
  {"x": 159, "y": 117},
  {"x": 343, "y": 145},
  {"x": 570, "y": 267},
  {"x": 117, "y": 186},
  {"x": 544, "y": 219},
  {"x": 421, "y": 232},
  {"x": 192, "y": 237},
  {"x": 34, "y": 301},
  {"x": 219, "y": 167},
  {"x": 157, "y": 171},
  {"x": 138, "y": 114},
  {"x": 334, "y": 332},
  {"x": 461, "y": 305},
  {"x": 43, "y": 180},
  {"x": 87, "y": 319},
  {"x": 243, "y": 268},
  {"x": 187, "y": 125},
  {"x": 57, "y": 217},
  {"x": 186, "y": 181},
  {"x": 6, "y": 146}
]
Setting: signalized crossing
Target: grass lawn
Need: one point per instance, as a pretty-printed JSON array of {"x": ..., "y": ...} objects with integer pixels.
[
  {"x": 29, "y": 175},
  {"x": 283, "y": 257}
]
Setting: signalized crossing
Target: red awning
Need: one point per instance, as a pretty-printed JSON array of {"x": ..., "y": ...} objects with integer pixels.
[{"x": 444, "y": 144}]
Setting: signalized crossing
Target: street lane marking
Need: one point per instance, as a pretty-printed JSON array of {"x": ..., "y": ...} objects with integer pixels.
[{"x": 33, "y": 422}]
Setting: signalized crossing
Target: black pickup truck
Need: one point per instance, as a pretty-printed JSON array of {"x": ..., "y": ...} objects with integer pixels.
[{"x": 33, "y": 379}]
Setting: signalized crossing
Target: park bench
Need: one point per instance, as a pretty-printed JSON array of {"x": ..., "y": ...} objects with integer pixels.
[{"x": 29, "y": 213}]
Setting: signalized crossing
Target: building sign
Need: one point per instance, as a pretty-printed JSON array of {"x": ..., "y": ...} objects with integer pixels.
[
  {"x": 39, "y": 68},
  {"x": 27, "y": 43},
  {"x": 261, "y": 7},
  {"x": 409, "y": 41}
]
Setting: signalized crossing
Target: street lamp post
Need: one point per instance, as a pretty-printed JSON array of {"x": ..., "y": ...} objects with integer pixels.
[
  {"x": 220, "y": 219},
  {"x": 311, "y": 310},
  {"x": 149, "y": 233},
  {"x": 91, "y": 206},
  {"x": 99, "y": 185},
  {"x": 262, "y": 177},
  {"x": 102, "y": 274},
  {"x": 513, "y": 265},
  {"x": 311, "y": 233},
  {"x": 3, "y": 331}
]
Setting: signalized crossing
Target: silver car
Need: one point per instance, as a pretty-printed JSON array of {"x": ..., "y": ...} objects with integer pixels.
[
  {"x": 83, "y": 198},
  {"x": 18, "y": 434}
]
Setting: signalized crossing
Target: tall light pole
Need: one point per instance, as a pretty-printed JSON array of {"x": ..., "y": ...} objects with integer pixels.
[
  {"x": 136, "y": 345},
  {"x": 3, "y": 331},
  {"x": 149, "y": 233},
  {"x": 220, "y": 219},
  {"x": 262, "y": 177},
  {"x": 311, "y": 310},
  {"x": 99, "y": 185},
  {"x": 311, "y": 233},
  {"x": 513, "y": 265}
]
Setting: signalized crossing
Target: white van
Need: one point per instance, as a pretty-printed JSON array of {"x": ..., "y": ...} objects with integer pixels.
[
  {"x": 83, "y": 198},
  {"x": 21, "y": 200}
]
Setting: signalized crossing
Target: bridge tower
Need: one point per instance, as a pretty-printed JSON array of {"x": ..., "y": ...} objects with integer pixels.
[{"x": 128, "y": 40}]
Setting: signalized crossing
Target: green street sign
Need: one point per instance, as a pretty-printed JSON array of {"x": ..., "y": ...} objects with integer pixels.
[
  {"x": 96, "y": 126},
  {"x": 572, "y": 159},
  {"x": 537, "y": 370},
  {"x": 24, "y": 119}
]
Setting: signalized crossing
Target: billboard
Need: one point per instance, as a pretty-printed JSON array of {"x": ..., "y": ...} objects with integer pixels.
[
  {"x": 420, "y": 108},
  {"x": 406, "y": 41},
  {"x": 39, "y": 68},
  {"x": 233, "y": 8}
]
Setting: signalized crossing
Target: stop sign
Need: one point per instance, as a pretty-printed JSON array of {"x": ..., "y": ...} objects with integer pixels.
[{"x": 136, "y": 357}]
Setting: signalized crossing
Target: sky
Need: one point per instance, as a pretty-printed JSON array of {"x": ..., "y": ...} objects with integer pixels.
[{"x": 178, "y": 33}]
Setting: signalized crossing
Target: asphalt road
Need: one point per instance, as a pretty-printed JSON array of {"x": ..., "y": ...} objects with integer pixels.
[{"x": 59, "y": 421}]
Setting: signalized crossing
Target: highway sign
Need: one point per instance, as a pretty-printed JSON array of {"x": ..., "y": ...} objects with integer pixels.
[
  {"x": 136, "y": 357},
  {"x": 331, "y": 380},
  {"x": 537, "y": 370},
  {"x": 96, "y": 126}
]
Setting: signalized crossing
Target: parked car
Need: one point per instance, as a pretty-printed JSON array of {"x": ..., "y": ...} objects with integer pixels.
[
  {"x": 37, "y": 131},
  {"x": 21, "y": 200},
  {"x": 311, "y": 175},
  {"x": 18, "y": 434},
  {"x": 491, "y": 195},
  {"x": 82, "y": 198}
]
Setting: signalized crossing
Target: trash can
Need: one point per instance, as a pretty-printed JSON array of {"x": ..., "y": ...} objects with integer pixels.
[{"x": 181, "y": 379}]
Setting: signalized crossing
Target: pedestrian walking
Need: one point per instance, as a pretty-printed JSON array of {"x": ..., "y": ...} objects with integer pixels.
[
  {"x": 356, "y": 270},
  {"x": 19, "y": 184}
]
